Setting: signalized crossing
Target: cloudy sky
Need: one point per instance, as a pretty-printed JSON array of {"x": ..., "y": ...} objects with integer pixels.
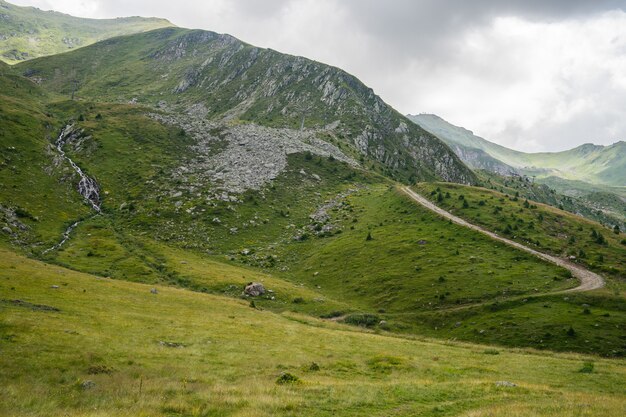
[{"x": 529, "y": 74}]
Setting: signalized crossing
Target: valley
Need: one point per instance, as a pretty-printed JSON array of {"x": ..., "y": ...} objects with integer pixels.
[{"x": 147, "y": 179}]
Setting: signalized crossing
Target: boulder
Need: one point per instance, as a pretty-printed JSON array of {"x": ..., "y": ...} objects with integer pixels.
[{"x": 254, "y": 289}]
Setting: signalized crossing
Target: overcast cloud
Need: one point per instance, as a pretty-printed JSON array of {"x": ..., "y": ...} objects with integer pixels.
[{"x": 531, "y": 75}]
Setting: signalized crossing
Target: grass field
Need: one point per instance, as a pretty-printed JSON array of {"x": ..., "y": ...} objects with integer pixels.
[{"x": 115, "y": 348}]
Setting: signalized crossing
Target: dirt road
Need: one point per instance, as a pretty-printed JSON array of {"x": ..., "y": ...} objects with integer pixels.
[{"x": 588, "y": 280}]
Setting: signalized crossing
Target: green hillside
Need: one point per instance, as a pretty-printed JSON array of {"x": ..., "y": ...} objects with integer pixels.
[
  {"x": 299, "y": 227},
  {"x": 76, "y": 344},
  {"x": 601, "y": 204},
  {"x": 27, "y": 32},
  {"x": 536, "y": 224},
  {"x": 146, "y": 179},
  {"x": 605, "y": 165}
]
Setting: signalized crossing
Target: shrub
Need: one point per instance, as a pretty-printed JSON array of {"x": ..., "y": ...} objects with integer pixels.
[
  {"x": 587, "y": 368},
  {"x": 363, "y": 320},
  {"x": 332, "y": 315},
  {"x": 287, "y": 378},
  {"x": 369, "y": 236},
  {"x": 298, "y": 300}
]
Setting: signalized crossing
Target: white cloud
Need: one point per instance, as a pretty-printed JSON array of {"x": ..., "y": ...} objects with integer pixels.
[{"x": 536, "y": 76}]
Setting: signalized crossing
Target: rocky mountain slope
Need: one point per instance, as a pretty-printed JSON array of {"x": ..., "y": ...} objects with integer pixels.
[
  {"x": 200, "y": 77},
  {"x": 595, "y": 164},
  {"x": 28, "y": 32}
]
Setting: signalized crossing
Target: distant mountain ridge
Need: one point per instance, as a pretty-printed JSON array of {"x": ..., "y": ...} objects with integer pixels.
[
  {"x": 28, "y": 32},
  {"x": 595, "y": 164}
]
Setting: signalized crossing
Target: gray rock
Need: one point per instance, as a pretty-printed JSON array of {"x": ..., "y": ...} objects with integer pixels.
[
  {"x": 505, "y": 384},
  {"x": 88, "y": 384},
  {"x": 7, "y": 230},
  {"x": 254, "y": 289},
  {"x": 154, "y": 291}
]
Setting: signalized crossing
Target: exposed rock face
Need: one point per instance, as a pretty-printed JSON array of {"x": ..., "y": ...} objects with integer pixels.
[
  {"x": 254, "y": 289},
  {"x": 247, "y": 157}
]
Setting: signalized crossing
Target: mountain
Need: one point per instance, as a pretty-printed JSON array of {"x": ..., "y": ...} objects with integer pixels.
[
  {"x": 595, "y": 164},
  {"x": 147, "y": 179},
  {"x": 27, "y": 32},
  {"x": 225, "y": 79}
]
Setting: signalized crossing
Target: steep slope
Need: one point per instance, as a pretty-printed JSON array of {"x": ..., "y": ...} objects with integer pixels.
[
  {"x": 27, "y": 32},
  {"x": 201, "y": 76},
  {"x": 591, "y": 163}
]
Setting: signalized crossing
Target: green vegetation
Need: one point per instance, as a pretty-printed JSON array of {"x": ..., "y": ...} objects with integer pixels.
[
  {"x": 604, "y": 207},
  {"x": 537, "y": 225},
  {"x": 142, "y": 309},
  {"x": 28, "y": 32},
  {"x": 115, "y": 348}
]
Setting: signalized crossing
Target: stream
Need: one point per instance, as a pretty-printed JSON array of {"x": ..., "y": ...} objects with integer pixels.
[{"x": 87, "y": 187}]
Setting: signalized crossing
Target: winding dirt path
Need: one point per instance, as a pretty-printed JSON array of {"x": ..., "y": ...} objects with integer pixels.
[{"x": 588, "y": 280}]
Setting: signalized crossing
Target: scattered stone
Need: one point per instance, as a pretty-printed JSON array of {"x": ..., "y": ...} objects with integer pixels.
[
  {"x": 154, "y": 291},
  {"x": 505, "y": 384},
  {"x": 88, "y": 384},
  {"x": 382, "y": 323},
  {"x": 54, "y": 286},
  {"x": 7, "y": 230},
  {"x": 171, "y": 344},
  {"x": 421, "y": 242},
  {"x": 254, "y": 289},
  {"x": 249, "y": 156}
]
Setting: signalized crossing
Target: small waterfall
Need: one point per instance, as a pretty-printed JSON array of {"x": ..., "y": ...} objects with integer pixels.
[{"x": 87, "y": 187}]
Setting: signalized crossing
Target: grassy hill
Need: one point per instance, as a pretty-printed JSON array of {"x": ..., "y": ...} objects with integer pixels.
[
  {"x": 553, "y": 230},
  {"x": 605, "y": 207},
  {"x": 216, "y": 164},
  {"x": 605, "y": 165},
  {"x": 27, "y": 32},
  {"x": 77, "y": 344}
]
